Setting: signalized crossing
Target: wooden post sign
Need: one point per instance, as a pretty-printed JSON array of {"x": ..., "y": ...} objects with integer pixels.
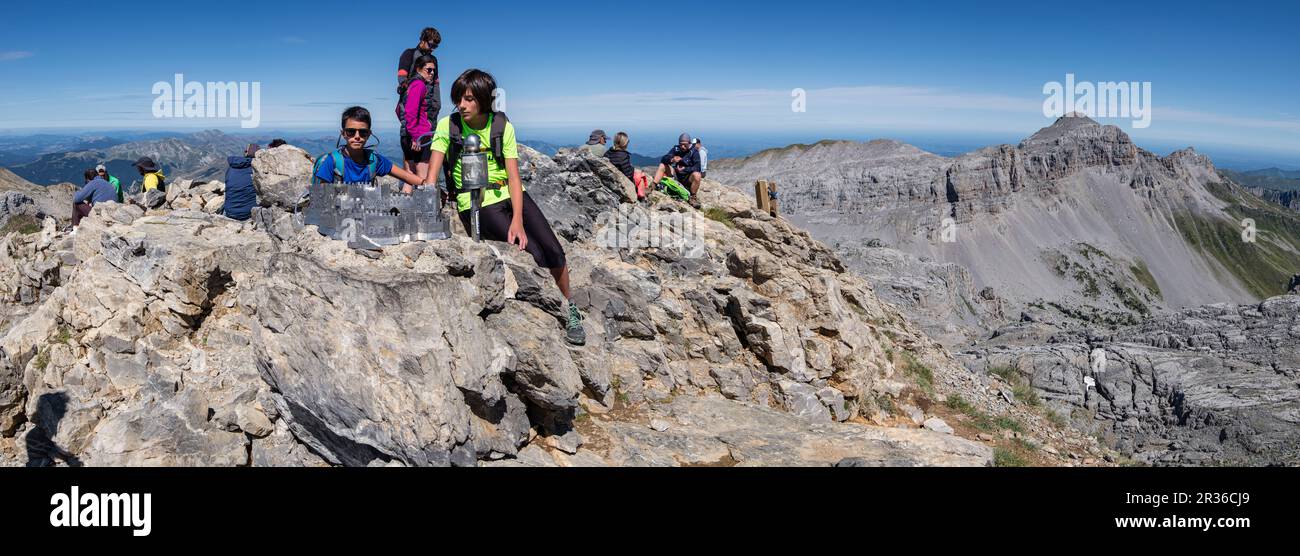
[
  {"x": 760, "y": 195},
  {"x": 765, "y": 196}
]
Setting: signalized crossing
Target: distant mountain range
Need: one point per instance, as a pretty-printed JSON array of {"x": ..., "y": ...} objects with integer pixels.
[
  {"x": 48, "y": 159},
  {"x": 1270, "y": 178},
  {"x": 1075, "y": 214}
]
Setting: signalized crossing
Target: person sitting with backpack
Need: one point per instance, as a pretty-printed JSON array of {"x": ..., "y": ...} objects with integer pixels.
[
  {"x": 413, "y": 112},
  {"x": 153, "y": 177},
  {"x": 354, "y": 163},
  {"x": 507, "y": 213},
  {"x": 407, "y": 66},
  {"x": 102, "y": 171},
  {"x": 97, "y": 190},
  {"x": 241, "y": 197},
  {"x": 682, "y": 163},
  {"x": 621, "y": 159}
]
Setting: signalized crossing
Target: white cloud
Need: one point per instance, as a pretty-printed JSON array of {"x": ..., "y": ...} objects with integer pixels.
[{"x": 10, "y": 55}]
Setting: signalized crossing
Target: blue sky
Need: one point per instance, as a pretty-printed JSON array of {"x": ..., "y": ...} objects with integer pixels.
[{"x": 1222, "y": 74}]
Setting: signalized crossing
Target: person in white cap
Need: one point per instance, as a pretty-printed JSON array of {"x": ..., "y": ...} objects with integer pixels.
[{"x": 102, "y": 171}]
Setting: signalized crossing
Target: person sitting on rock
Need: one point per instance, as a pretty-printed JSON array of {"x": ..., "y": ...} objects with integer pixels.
[
  {"x": 277, "y": 143},
  {"x": 360, "y": 165},
  {"x": 508, "y": 213},
  {"x": 153, "y": 177},
  {"x": 102, "y": 171},
  {"x": 241, "y": 197},
  {"x": 97, "y": 190},
  {"x": 596, "y": 143},
  {"x": 621, "y": 159},
  {"x": 682, "y": 163}
]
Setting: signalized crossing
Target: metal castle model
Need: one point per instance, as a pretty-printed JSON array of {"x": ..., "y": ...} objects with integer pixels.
[{"x": 370, "y": 216}]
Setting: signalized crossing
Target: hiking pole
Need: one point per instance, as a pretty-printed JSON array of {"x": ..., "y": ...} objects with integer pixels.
[{"x": 474, "y": 178}]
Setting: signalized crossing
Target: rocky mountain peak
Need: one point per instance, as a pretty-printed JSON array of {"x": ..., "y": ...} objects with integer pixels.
[
  {"x": 1075, "y": 128},
  {"x": 1188, "y": 157}
]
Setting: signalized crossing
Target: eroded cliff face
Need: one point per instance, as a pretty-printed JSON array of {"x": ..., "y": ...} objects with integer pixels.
[
  {"x": 1116, "y": 284},
  {"x": 1007, "y": 213},
  {"x": 174, "y": 336}
]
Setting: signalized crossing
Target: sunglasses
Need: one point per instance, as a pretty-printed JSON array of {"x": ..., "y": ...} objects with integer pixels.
[{"x": 351, "y": 131}]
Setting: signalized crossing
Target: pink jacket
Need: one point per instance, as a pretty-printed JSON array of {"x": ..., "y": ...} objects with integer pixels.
[{"x": 417, "y": 119}]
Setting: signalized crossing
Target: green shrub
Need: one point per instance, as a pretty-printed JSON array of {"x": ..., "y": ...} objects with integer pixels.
[
  {"x": 718, "y": 215},
  {"x": 1003, "y": 457}
]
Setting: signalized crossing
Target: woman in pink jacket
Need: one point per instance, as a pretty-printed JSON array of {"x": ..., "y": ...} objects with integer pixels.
[{"x": 415, "y": 115}]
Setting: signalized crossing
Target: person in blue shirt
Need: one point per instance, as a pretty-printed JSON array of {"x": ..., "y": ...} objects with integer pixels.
[
  {"x": 360, "y": 165},
  {"x": 97, "y": 190}
]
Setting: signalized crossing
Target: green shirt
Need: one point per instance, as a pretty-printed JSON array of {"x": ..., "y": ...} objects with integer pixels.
[
  {"x": 117, "y": 187},
  {"x": 496, "y": 169}
]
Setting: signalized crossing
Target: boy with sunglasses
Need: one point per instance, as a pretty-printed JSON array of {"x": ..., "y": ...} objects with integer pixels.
[{"x": 360, "y": 165}]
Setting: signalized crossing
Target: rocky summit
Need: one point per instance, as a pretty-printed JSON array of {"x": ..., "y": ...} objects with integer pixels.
[{"x": 165, "y": 334}]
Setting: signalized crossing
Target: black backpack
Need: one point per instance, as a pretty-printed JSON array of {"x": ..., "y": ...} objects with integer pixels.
[{"x": 456, "y": 143}]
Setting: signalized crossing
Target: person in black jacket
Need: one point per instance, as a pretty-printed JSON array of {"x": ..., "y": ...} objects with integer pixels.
[
  {"x": 682, "y": 163},
  {"x": 241, "y": 197},
  {"x": 621, "y": 159}
]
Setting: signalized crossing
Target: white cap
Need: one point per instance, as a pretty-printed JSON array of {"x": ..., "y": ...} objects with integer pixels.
[{"x": 101, "y": 168}]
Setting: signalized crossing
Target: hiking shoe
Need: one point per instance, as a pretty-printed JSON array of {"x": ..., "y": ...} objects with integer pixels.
[{"x": 574, "y": 332}]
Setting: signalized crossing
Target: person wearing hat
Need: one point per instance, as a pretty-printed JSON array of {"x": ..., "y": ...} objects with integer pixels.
[
  {"x": 102, "y": 171},
  {"x": 596, "y": 143},
  {"x": 241, "y": 197},
  {"x": 682, "y": 163},
  {"x": 153, "y": 177}
]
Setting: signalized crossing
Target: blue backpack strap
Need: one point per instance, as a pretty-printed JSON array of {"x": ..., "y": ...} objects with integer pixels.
[
  {"x": 315, "y": 169},
  {"x": 372, "y": 167},
  {"x": 340, "y": 169}
]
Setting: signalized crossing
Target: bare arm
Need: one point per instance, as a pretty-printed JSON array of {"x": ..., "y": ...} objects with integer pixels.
[
  {"x": 405, "y": 176},
  {"x": 516, "y": 205}
]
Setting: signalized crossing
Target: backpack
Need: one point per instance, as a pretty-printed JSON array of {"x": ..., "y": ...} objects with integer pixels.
[
  {"x": 675, "y": 189},
  {"x": 162, "y": 182},
  {"x": 456, "y": 143},
  {"x": 339, "y": 166}
]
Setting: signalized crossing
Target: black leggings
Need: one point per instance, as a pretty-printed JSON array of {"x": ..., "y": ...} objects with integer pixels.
[{"x": 494, "y": 224}]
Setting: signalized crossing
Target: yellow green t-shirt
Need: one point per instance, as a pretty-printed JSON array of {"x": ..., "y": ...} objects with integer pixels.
[{"x": 496, "y": 169}]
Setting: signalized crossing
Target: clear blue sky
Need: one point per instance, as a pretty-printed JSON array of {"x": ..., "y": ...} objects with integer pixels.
[{"x": 1221, "y": 73}]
